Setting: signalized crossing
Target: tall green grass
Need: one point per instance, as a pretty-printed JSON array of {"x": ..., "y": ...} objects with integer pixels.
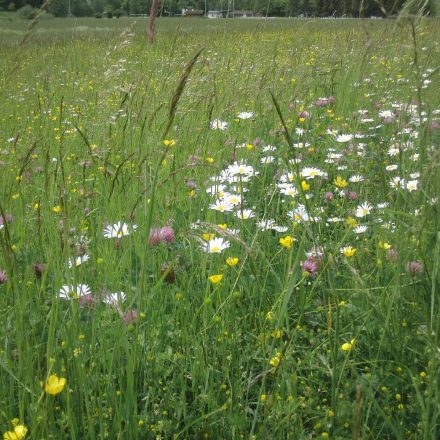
[{"x": 269, "y": 351}]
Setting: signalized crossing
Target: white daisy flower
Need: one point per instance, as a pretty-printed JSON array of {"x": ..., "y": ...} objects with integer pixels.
[
  {"x": 299, "y": 214},
  {"x": 118, "y": 230},
  {"x": 335, "y": 220},
  {"x": 224, "y": 176},
  {"x": 269, "y": 148},
  {"x": 311, "y": 172},
  {"x": 267, "y": 159},
  {"x": 382, "y": 205},
  {"x": 217, "y": 124},
  {"x": 241, "y": 169},
  {"x": 215, "y": 246},
  {"x": 74, "y": 292},
  {"x": 393, "y": 151},
  {"x": 301, "y": 145},
  {"x": 221, "y": 206},
  {"x": 269, "y": 224},
  {"x": 239, "y": 189},
  {"x": 391, "y": 167},
  {"x": 242, "y": 145},
  {"x": 77, "y": 261},
  {"x": 356, "y": 178},
  {"x": 363, "y": 210},
  {"x": 245, "y": 115},
  {"x": 245, "y": 214},
  {"x": 397, "y": 182},
  {"x": 315, "y": 252},
  {"x": 412, "y": 185},
  {"x": 288, "y": 190},
  {"x": 281, "y": 229},
  {"x": 334, "y": 156},
  {"x": 386, "y": 114},
  {"x": 240, "y": 178},
  {"x": 216, "y": 190},
  {"x": 287, "y": 178},
  {"x": 233, "y": 199},
  {"x": 295, "y": 161},
  {"x": 115, "y": 298},
  {"x": 343, "y": 138},
  {"x": 360, "y": 229},
  {"x": 266, "y": 225}
]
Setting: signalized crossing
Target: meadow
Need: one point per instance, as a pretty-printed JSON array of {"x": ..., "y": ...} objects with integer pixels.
[{"x": 233, "y": 233}]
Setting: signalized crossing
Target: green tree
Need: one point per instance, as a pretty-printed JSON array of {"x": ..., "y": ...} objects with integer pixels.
[
  {"x": 292, "y": 8},
  {"x": 80, "y": 8},
  {"x": 59, "y": 8}
]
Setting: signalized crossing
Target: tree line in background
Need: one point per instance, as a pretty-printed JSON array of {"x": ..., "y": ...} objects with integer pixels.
[{"x": 282, "y": 8}]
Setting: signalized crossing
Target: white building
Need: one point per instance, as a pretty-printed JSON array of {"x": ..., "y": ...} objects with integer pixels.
[{"x": 216, "y": 14}]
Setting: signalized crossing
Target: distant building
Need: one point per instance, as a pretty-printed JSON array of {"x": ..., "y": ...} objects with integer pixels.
[
  {"x": 217, "y": 14},
  {"x": 192, "y": 13},
  {"x": 243, "y": 14}
]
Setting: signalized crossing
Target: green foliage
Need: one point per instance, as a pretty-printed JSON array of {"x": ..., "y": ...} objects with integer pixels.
[
  {"x": 27, "y": 12},
  {"x": 81, "y": 8},
  {"x": 59, "y": 8}
]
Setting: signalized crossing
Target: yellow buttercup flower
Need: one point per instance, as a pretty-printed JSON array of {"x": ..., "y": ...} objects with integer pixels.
[
  {"x": 286, "y": 241},
  {"x": 232, "y": 261},
  {"x": 277, "y": 334},
  {"x": 340, "y": 182},
  {"x": 169, "y": 142},
  {"x": 57, "y": 209},
  {"x": 215, "y": 279},
  {"x": 348, "y": 251},
  {"x": 348, "y": 346},
  {"x": 54, "y": 384},
  {"x": 305, "y": 186},
  {"x": 207, "y": 236},
  {"x": 384, "y": 245},
  {"x": 18, "y": 433},
  {"x": 352, "y": 222},
  {"x": 275, "y": 361}
]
